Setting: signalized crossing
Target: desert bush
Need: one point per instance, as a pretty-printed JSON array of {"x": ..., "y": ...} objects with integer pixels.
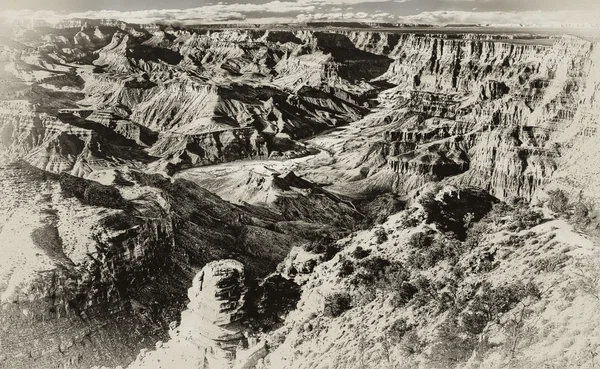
[
  {"x": 346, "y": 268},
  {"x": 336, "y": 304},
  {"x": 558, "y": 201},
  {"x": 390, "y": 277},
  {"x": 476, "y": 235},
  {"x": 396, "y": 280},
  {"x": 363, "y": 295},
  {"x": 404, "y": 335},
  {"x": 581, "y": 214},
  {"x": 328, "y": 248},
  {"x": 421, "y": 240},
  {"x": 381, "y": 235},
  {"x": 513, "y": 241},
  {"x": 586, "y": 217},
  {"x": 447, "y": 249},
  {"x": 374, "y": 268},
  {"x": 398, "y": 330},
  {"x": 452, "y": 345},
  {"x": 410, "y": 222},
  {"x": 491, "y": 302},
  {"x": 426, "y": 291},
  {"x": 360, "y": 253},
  {"x": 411, "y": 344},
  {"x": 549, "y": 264},
  {"x": 403, "y": 294},
  {"x": 525, "y": 218}
]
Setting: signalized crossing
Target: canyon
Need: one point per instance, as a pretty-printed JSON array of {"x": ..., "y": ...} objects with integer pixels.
[{"x": 185, "y": 196}]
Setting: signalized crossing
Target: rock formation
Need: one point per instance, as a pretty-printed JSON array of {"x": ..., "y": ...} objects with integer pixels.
[
  {"x": 174, "y": 147},
  {"x": 211, "y": 332},
  {"x": 215, "y": 312}
]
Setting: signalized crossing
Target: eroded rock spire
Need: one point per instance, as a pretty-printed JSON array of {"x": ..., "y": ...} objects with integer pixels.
[{"x": 211, "y": 333}]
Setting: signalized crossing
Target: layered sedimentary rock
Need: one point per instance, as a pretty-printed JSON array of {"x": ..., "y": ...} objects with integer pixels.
[
  {"x": 491, "y": 108},
  {"x": 68, "y": 272},
  {"x": 506, "y": 113},
  {"x": 106, "y": 263},
  {"x": 215, "y": 311},
  {"x": 211, "y": 333}
]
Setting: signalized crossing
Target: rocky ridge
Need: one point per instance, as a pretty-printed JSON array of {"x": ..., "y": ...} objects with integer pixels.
[{"x": 308, "y": 134}]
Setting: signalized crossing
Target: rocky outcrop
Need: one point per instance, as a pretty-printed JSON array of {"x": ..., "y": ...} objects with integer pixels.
[
  {"x": 215, "y": 311},
  {"x": 68, "y": 273},
  {"x": 211, "y": 332},
  {"x": 224, "y": 145}
]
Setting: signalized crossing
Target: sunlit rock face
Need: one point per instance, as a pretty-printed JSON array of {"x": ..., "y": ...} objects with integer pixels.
[
  {"x": 211, "y": 333},
  {"x": 215, "y": 311},
  {"x": 489, "y": 112}
]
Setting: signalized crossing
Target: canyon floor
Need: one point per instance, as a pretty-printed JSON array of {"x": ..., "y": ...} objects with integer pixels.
[{"x": 298, "y": 197}]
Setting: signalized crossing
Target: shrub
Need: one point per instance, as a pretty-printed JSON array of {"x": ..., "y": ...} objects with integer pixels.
[
  {"x": 492, "y": 301},
  {"x": 346, "y": 268},
  {"x": 513, "y": 241},
  {"x": 398, "y": 330},
  {"x": 452, "y": 346},
  {"x": 445, "y": 249},
  {"x": 426, "y": 291},
  {"x": 581, "y": 215},
  {"x": 403, "y": 294},
  {"x": 476, "y": 234},
  {"x": 327, "y": 248},
  {"x": 337, "y": 303},
  {"x": 374, "y": 267},
  {"x": 381, "y": 235},
  {"x": 525, "y": 218},
  {"x": 363, "y": 295},
  {"x": 360, "y": 253},
  {"x": 420, "y": 240},
  {"x": 410, "y": 222},
  {"x": 550, "y": 264},
  {"x": 411, "y": 343},
  {"x": 558, "y": 201}
]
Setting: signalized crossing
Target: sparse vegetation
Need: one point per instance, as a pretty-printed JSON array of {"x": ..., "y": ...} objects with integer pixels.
[
  {"x": 558, "y": 201},
  {"x": 549, "y": 264},
  {"x": 360, "y": 253},
  {"x": 346, "y": 268},
  {"x": 336, "y": 304},
  {"x": 381, "y": 235},
  {"x": 327, "y": 247}
]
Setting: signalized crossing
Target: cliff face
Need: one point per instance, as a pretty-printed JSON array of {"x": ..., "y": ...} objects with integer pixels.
[
  {"x": 492, "y": 111},
  {"x": 107, "y": 265},
  {"x": 68, "y": 273}
]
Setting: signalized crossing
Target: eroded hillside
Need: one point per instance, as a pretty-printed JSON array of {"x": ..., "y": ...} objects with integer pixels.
[{"x": 134, "y": 155}]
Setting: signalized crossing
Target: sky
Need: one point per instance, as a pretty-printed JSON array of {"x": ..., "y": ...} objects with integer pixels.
[{"x": 527, "y": 12}]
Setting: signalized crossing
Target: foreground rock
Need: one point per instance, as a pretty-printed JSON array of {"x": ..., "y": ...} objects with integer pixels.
[{"x": 211, "y": 334}]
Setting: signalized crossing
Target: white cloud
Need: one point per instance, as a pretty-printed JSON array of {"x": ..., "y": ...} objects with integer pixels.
[
  {"x": 313, "y": 10},
  {"x": 338, "y": 16},
  {"x": 208, "y": 13},
  {"x": 339, "y": 2},
  {"x": 527, "y": 18}
]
